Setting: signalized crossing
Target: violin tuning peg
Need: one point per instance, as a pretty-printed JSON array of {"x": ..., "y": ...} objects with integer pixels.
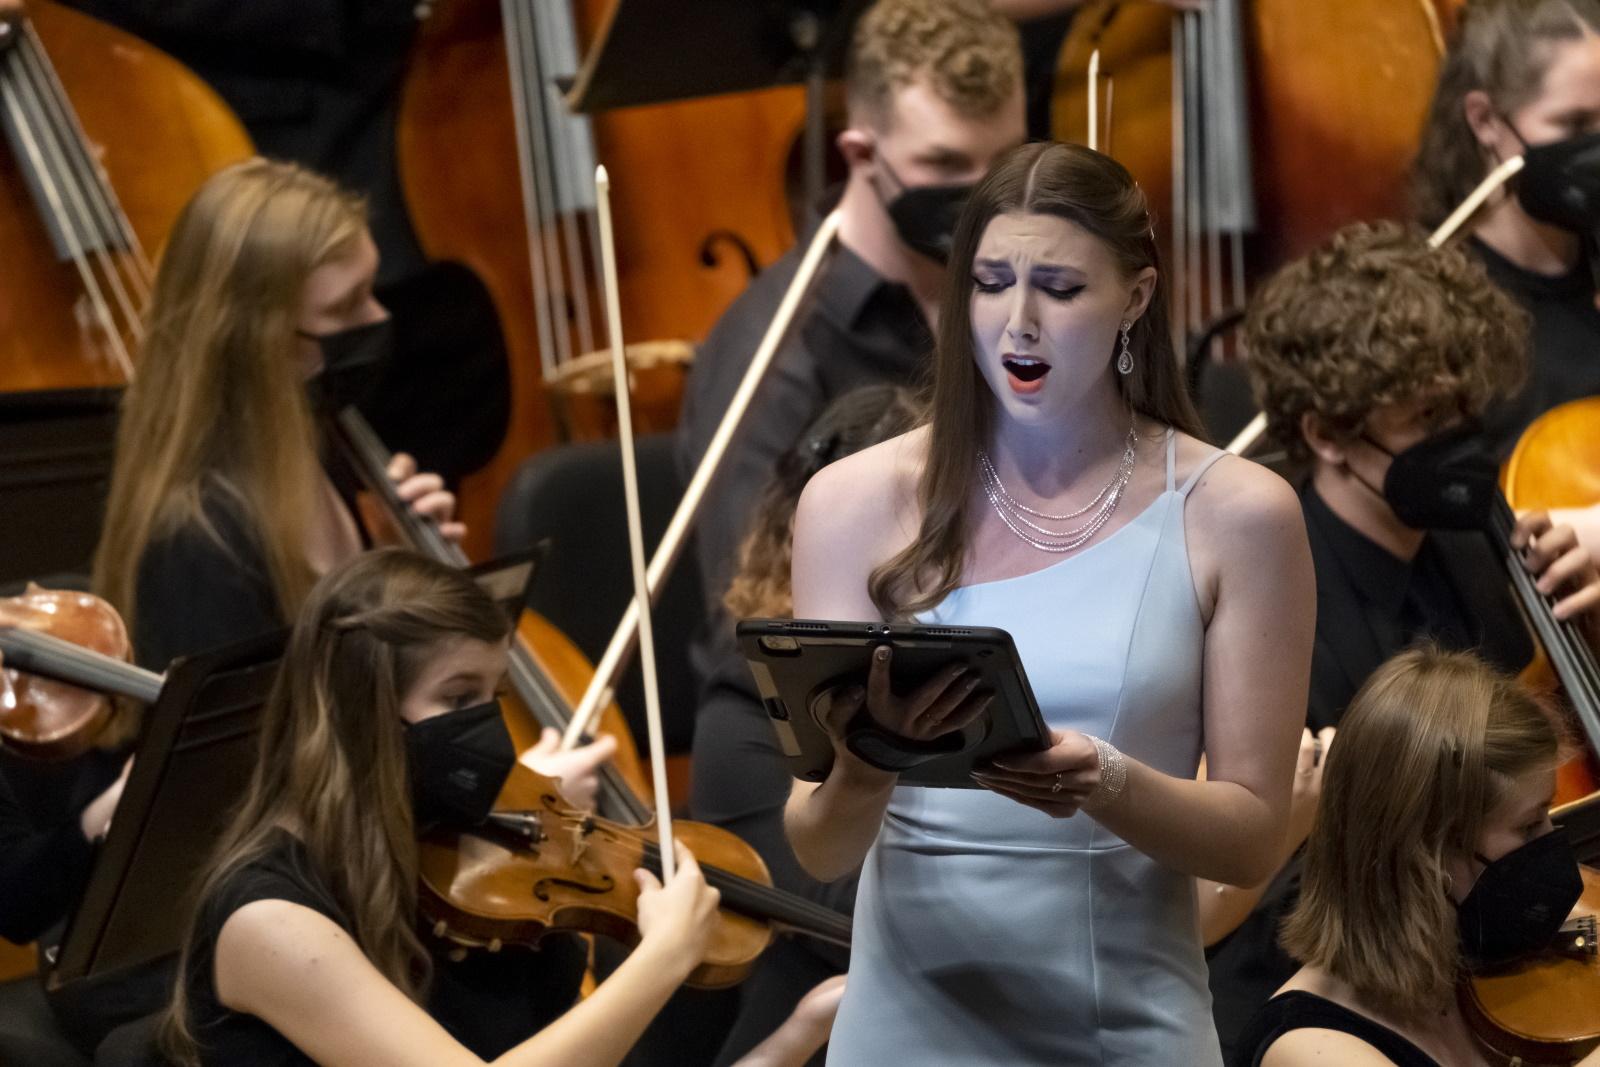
[
  {"x": 457, "y": 955},
  {"x": 440, "y": 928},
  {"x": 495, "y": 945}
]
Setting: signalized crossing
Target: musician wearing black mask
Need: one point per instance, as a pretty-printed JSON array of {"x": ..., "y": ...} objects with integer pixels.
[
  {"x": 1523, "y": 77},
  {"x": 1374, "y": 357},
  {"x": 1452, "y": 866},
  {"x": 934, "y": 91}
]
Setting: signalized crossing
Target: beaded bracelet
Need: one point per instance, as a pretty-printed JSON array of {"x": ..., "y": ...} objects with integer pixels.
[{"x": 1113, "y": 776}]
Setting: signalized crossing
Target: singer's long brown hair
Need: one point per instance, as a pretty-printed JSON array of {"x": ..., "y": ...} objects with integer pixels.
[{"x": 1097, "y": 193}]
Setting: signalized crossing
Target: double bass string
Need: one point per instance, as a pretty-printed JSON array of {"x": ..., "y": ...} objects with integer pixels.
[
  {"x": 88, "y": 222},
  {"x": 141, "y": 273},
  {"x": 567, "y": 170},
  {"x": 30, "y": 127},
  {"x": 80, "y": 175},
  {"x": 562, "y": 231},
  {"x": 514, "y": 29},
  {"x": 1569, "y": 652}
]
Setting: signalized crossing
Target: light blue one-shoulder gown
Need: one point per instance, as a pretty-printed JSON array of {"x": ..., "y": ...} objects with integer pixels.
[{"x": 989, "y": 933}]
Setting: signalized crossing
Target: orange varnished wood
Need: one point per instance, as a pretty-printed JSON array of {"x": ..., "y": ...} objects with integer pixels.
[
  {"x": 1545, "y": 1010},
  {"x": 494, "y": 893},
  {"x": 680, "y": 173},
  {"x": 570, "y": 671},
  {"x": 17, "y": 960},
  {"x": 1338, "y": 92},
  {"x": 159, "y": 131},
  {"x": 45, "y": 719},
  {"x": 1556, "y": 464}
]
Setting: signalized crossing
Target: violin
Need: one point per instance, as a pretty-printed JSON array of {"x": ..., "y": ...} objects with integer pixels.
[
  {"x": 40, "y": 717},
  {"x": 1545, "y": 1009},
  {"x": 539, "y": 866}
]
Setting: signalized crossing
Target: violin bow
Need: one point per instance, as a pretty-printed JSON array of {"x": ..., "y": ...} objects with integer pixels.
[
  {"x": 1447, "y": 230},
  {"x": 630, "y": 486},
  {"x": 666, "y": 555}
]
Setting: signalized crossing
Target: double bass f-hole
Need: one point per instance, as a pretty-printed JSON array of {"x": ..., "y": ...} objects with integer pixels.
[{"x": 710, "y": 258}]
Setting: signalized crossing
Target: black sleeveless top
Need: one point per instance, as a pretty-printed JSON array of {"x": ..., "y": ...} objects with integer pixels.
[
  {"x": 1298, "y": 1010},
  {"x": 226, "y": 1036},
  {"x": 489, "y": 1002}
]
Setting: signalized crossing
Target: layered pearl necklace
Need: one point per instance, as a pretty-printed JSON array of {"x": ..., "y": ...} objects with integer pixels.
[{"x": 1015, "y": 514}]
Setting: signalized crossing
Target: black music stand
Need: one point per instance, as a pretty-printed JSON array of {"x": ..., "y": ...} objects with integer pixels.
[
  {"x": 190, "y": 770},
  {"x": 655, "y": 51}
]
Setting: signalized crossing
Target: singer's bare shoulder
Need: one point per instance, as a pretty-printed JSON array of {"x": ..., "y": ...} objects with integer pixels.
[{"x": 855, "y": 515}]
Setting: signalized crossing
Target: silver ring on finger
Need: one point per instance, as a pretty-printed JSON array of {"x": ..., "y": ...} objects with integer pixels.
[{"x": 1059, "y": 782}]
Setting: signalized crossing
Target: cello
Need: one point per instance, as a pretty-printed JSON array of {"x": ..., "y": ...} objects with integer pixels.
[
  {"x": 86, "y": 189},
  {"x": 476, "y": 882},
  {"x": 546, "y": 670},
  {"x": 1556, "y": 464}
]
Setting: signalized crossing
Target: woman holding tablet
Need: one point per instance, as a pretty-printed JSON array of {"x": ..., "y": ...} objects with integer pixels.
[{"x": 1157, "y": 596}]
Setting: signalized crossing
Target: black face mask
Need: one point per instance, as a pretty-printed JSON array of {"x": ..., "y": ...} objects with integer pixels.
[
  {"x": 1443, "y": 482},
  {"x": 1560, "y": 183},
  {"x": 925, "y": 216},
  {"x": 458, "y": 761},
  {"x": 1520, "y": 901},
  {"x": 353, "y": 360}
]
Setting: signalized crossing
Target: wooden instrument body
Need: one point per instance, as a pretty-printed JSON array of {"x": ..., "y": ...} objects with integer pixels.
[
  {"x": 569, "y": 671},
  {"x": 1545, "y": 1010},
  {"x": 45, "y": 719},
  {"x": 1556, "y": 464},
  {"x": 692, "y": 183},
  {"x": 159, "y": 132},
  {"x": 548, "y": 673},
  {"x": 488, "y": 891},
  {"x": 1338, "y": 93}
]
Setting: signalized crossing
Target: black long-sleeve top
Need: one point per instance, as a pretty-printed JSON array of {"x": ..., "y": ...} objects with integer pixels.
[{"x": 44, "y": 855}]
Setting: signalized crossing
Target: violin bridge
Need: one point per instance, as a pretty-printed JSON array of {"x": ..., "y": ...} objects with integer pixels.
[{"x": 580, "y": 831}]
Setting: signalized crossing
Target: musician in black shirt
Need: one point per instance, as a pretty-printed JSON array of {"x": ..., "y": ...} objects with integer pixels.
[
  {"x": 935, "y": 95},
  {"x": 221, "y": 516},
  {"x": 1520, "y": 74},
  {"x": 1371, "y": 357}
]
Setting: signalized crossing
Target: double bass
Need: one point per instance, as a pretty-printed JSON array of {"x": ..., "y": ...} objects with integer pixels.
[
  {"x": 1256, "y": 127},
  {"x": 496, "y": 170},
  {"x": 89, "y": 186}
]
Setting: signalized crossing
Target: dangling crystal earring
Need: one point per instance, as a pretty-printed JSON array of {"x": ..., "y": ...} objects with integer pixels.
[{"x": 1125, "y": 361}]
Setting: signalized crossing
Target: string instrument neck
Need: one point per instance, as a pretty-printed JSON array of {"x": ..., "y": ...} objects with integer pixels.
[
  {"x": 1571, "y": 655},
  {"x": 369, "y": 458}
]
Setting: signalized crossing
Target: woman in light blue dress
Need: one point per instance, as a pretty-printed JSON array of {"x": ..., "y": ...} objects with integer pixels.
[{"x": 1162, "y": 603}]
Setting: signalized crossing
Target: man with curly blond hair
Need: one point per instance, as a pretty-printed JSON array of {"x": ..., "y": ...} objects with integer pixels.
[{"x": 1374, "y": 358}]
